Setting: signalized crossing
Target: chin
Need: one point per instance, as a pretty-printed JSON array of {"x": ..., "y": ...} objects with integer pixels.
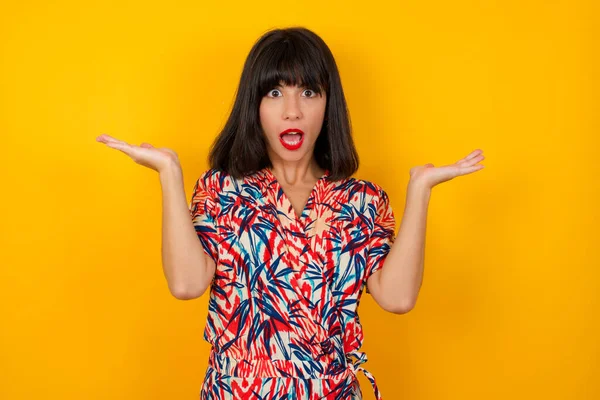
[
  {"x": 291, "y": 155},
  {"x": 295, "y": 156}
]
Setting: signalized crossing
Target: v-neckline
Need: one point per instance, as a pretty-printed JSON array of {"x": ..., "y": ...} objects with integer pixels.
[{"x": 291, "y": 212}]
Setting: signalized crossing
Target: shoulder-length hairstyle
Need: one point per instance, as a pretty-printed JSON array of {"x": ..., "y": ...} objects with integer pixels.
[{"x": 294, "y": 56}]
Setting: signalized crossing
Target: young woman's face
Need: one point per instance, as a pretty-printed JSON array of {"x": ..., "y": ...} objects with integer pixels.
[{"x": 292, "y": 109}]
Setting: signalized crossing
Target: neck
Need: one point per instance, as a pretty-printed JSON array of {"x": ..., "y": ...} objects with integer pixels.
[{"x": 296, "y": 172}]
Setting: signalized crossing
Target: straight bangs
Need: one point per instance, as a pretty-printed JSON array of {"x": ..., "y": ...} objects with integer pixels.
[{"x": 291, "y": 62}]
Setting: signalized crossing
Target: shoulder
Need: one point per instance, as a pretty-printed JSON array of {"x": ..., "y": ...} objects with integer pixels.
[
  {"x": 220, "y": 183},
  {"x": 379, "y": 207},
  {"x": 210, "y": 177},
  {"x": 214, "y": 180},
  {"x": 364, "y": 189}
]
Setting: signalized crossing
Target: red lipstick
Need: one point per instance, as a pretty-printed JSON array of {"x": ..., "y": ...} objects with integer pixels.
[{"x": 294, "y": 137}]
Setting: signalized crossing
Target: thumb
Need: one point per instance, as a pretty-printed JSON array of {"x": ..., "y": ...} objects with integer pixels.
[{"x": 146, "y": 145}]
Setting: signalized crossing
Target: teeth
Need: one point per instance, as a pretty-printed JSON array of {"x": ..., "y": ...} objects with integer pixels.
[{"x": 292, "y": 138}]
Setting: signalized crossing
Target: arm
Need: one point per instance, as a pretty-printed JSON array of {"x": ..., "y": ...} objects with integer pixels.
[
  {"x": 396, "y": 285},
  {"x": 187, "y": 268}
]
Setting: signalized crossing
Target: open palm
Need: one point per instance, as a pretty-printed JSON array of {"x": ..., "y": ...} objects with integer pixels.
[
  {"x": 430, "y": 175},
  {"x": 144, "y": 154}
]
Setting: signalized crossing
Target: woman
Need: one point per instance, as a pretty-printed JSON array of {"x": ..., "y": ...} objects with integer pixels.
[{"x": 284, "y": 236}]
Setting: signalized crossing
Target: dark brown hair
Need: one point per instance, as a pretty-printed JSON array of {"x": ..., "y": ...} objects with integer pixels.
[{"x": 294, "y": 56}]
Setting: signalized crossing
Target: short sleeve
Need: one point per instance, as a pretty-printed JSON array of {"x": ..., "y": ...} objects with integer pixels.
[
  {"x": 380, "y": 242},
  {"x": 203, "y": 211}
]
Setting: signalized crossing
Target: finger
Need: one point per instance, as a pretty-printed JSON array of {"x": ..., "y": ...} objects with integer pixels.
[
  {"x": 474, "y": 153},
  {"x": 471, "y": 155},
  {"x": 472, "y": 161},
  {"x": 109, "y": 139},
  {"x": 146, "y": 145},
  {"x": 470, "y": 170},
  {"x": 105, "y": 138},
  {"x": 124, "y": 147}
]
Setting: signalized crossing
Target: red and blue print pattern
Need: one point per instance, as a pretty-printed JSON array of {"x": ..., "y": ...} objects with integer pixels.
[{"x": 282, "y": 315}]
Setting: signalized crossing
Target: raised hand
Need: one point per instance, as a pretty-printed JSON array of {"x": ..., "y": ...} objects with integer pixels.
[
  {"x": 145, "y": 154},
  {"x": 428, "y": 175}
]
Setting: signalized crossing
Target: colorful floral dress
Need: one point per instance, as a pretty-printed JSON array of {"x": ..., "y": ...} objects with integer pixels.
[{"x": 282, "y": 315}]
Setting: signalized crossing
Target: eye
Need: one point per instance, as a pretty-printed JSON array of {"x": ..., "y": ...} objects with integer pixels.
[
  {"x": 311, "y": 91},
  {"x": 271, "y": 91}
]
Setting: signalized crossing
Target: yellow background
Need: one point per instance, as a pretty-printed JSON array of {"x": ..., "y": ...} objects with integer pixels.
[{"x": 509, "y": 304}]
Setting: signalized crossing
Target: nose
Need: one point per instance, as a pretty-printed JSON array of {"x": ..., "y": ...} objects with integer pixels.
[{"x": 291, "y": 108}]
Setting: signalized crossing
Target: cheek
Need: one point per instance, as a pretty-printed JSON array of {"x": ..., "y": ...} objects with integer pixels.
[
  {"x": 319, "y": 110},
  {"x": 317, "y": 117},
  {"x": 266, "y": 116}
]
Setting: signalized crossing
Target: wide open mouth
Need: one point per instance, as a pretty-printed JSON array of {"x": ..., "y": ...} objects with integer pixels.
[
  {"x": 292, "y": 132},
  {"x": 292, "y": 138}
]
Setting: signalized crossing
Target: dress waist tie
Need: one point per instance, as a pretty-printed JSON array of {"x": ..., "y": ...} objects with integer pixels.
[
  {"x": 361, "y": 358},
  {"x": 301, "y": 368}
]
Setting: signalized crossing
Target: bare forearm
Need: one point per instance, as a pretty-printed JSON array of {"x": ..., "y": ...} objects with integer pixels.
[
  {"x": 183, "y": 259},
  {"x": 402, "y": 272},
  {"x": 397, "y": 285}
]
